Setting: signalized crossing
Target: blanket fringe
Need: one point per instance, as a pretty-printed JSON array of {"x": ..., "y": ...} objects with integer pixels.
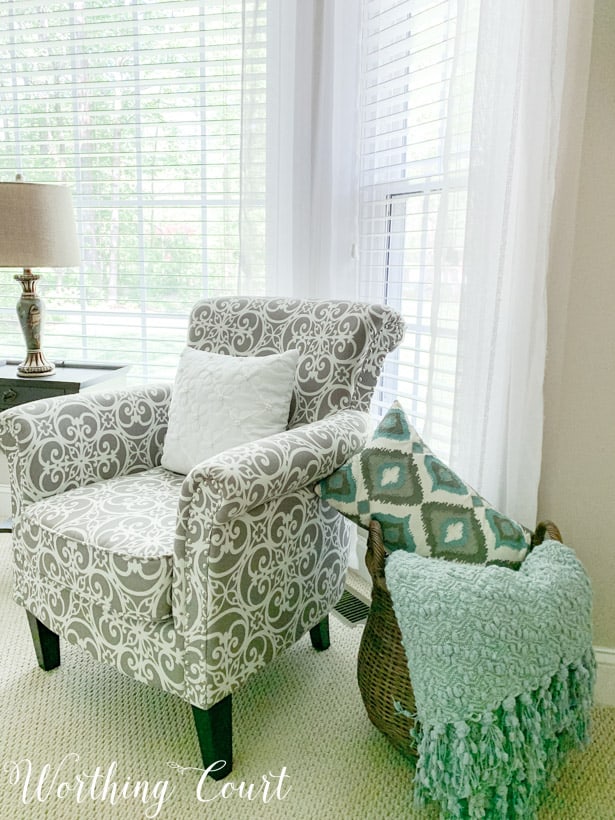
[{"x": 498, "y": 765}]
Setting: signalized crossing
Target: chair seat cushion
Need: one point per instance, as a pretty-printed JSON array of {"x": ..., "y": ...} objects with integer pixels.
[{"x": 111, "y": 541}]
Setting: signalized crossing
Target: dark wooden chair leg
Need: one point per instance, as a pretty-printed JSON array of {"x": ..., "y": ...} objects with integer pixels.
[
  {"x": 46, "y": 643},
  {"x": 214, "y": 728},
  {"x": 320, "y": 635}
]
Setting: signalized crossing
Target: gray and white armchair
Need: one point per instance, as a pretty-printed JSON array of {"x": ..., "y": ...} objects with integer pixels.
[{"x": 193, "y": 583}]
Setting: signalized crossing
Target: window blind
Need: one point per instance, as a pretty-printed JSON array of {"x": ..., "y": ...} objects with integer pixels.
[
  {"x": 154, "y": 113},
  {"x": 417, "y": 71}
]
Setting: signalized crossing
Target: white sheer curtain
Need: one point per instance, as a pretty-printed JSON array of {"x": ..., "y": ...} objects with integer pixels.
[
  {"x": 313, "y": 48},
  {"x": 470, "y": 372},
  {"x": 522, "y": 53}
]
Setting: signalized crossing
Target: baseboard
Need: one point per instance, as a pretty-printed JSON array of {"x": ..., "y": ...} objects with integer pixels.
[{"x": 605, "y": 680}]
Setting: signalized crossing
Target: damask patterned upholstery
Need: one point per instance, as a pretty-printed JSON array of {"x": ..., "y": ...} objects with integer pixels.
[
  {"x": 194, "y": 583},
  {"x": 340, "y": 345},
  {"x": 111, "y": 541}
]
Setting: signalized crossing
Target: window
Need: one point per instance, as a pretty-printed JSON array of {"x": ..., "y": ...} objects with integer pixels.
[
  {"x": 417, "y": 73},
  {"x": 153, "y": 111}
]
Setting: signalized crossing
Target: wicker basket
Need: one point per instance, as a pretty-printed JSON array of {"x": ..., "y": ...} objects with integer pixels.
[{"x": 382, "y": 668}]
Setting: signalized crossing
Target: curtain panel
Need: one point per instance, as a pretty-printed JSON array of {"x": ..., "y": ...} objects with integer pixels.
[
  {"x": 458, "y": 125},
  {"x": 523, "y": 53}
]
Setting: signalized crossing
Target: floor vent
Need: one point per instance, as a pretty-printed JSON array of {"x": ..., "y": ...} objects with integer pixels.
[{"x": 351, "y": 610}]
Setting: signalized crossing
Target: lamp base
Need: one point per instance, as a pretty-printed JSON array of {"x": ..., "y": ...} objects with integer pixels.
[
  {"x": 30, "y": 312},
  {"x": 35, "y": 364}
]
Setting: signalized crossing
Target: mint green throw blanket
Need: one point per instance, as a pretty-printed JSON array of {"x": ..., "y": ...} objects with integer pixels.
[{"x": 502, "y": 668}]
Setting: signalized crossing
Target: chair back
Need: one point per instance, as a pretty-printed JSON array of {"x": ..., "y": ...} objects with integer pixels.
[{"x": 342, "y": 345}]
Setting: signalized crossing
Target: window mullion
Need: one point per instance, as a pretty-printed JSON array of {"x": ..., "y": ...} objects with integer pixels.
[
  {"x": 77, "y": 201},
  {"x": 203, "y": 169},
  {"x": 138, "y": 147}
]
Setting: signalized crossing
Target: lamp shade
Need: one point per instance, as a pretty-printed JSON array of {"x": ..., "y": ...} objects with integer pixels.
[{"x": 37, "y": 226}]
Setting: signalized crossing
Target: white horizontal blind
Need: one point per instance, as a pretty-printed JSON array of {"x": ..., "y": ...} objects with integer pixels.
[
  {"x": 153, "y": 111},
  {"x": 418, "y": 67}
]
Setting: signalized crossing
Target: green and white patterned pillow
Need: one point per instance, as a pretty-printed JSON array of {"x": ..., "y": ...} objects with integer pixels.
[{"x": 420, "y": 503}]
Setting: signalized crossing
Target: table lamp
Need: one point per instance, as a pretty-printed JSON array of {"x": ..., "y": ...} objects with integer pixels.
[{"x": 37, "y": 229}]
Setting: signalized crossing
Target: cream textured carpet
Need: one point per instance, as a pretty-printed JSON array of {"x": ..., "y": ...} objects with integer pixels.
[{"x": 302, "y": 717}]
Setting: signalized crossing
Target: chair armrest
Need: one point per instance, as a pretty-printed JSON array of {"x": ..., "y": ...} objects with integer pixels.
[
  {"x": 259, "y": 557},
  {"x": 54, "y": 445},
  {"x": 244, "y": 477}
]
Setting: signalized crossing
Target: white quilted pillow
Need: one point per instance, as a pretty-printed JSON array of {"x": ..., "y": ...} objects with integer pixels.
[{"x": 222, "y": 401}]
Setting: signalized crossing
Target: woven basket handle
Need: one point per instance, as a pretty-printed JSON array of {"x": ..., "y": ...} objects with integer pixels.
[
  {"x": 376, "y": 555},
  {"x": 546, "y": 529}
]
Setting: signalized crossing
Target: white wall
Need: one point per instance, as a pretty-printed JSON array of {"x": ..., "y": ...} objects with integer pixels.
[{"x": 578, "y": 473}]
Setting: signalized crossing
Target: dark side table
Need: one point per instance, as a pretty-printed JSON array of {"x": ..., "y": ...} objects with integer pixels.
[{"x": 68, "y": 378}]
